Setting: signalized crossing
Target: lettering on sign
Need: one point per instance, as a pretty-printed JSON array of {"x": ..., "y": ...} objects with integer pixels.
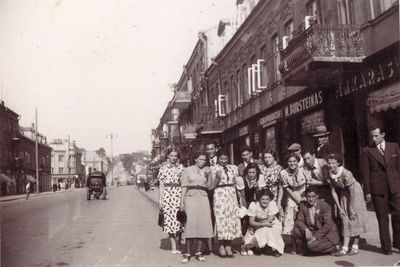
[
  {"x": 303, "y": 104},
  {"x": 386, "y": 71},
  {"x": 243, "y": 131},
  {"x": 271, "y": 118}
]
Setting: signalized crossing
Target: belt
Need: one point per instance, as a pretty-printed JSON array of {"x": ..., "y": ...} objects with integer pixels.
[
  {"x": 172, "y": 185},
  {"x": 197, "y": 187},
  {"x": 225, "y": 185}
]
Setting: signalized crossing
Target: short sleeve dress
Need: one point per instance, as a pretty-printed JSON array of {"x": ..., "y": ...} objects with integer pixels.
[
  {"x": 197, "y": 205},
  {"x": 270, "y": 177},
  {"x": 170, "y": 176},
  {"x": 341, "y": 182},
  {"x": 266, "y": 236}
]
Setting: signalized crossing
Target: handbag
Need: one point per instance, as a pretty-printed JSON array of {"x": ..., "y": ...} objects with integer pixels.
[{"x": 161, "y": 218}]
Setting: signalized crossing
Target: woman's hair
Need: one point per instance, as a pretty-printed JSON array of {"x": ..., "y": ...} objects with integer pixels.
[
  {"x": 268, "y": 151},
  {"x": 335, "y": 157},
  {"x": 264, "y": 192},
  {"x": 222, "y": 152},
  {"x": 292, "y": 155},
  {"x": 199, "y": 153},
  {"x": 170, "y": 150},
  {"x": 252, "y": 165}
]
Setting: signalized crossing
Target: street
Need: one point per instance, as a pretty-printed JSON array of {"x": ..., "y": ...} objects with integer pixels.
[{"x": 67, "y": 230}]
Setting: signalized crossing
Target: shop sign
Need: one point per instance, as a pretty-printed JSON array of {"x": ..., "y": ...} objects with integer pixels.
[
  {"x": 244, "y": 131},
  {"x": 386, "y": 70},
  {"x": 303, "y": 104},
  {"x": 271, "y": 118}
]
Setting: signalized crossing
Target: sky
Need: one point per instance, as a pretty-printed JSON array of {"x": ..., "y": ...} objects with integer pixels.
[{"x": 93, "y": 68}]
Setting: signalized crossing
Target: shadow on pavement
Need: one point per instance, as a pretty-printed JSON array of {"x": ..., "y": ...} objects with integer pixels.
[
  {"x": 344, "y": 263},
  {"x": 369, "y": 247},
  {"x": 165, "y": 244}
]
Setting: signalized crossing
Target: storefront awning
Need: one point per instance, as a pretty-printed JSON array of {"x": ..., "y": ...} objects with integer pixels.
[
  {"x": 31, "y": 179},
  {"x": 384, "y": 99},
  {"x": 4, "y": 178}
]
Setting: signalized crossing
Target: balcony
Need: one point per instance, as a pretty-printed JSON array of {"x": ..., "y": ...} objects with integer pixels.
[
  {"x": 209, "y": 124},
  {"x": 319, "y": 53},
  {"x": 181, "y": 100}
]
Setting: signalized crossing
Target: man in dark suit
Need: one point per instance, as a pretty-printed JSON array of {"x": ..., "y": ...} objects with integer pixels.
[
  {"x": 247, "y": 156},
  {"x": 381, "y": 173},
  {"x": 322, "y": 136},
  {"x": 211, "y": 149},
  {"x": 314, "y": 228}
]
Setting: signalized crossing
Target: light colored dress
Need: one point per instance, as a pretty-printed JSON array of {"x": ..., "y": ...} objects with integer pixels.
[
  {"x": 270, "y": 177},
  {"x": 265, "y": 236},
  {"x": 196, "y": 203},
  {"x": 342, "y": 181},
  {"x": 226, "y": 207},
  {"x": 297, "y": 183},
  {"x": 170, "y": 176}
]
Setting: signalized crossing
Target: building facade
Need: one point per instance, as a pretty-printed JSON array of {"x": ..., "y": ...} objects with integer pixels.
[
  {"x": 66, "y": 163},
  {"x": 290, "y": 66},
  {"x": 18, "y": 155},
  {"x": 94, "y": 161}
]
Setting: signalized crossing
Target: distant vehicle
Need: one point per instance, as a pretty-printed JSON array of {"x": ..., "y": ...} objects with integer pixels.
[{"x": 96, "y": 185}]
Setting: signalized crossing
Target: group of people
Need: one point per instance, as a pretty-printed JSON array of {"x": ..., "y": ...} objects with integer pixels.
[{"x": 309, "y": 203}]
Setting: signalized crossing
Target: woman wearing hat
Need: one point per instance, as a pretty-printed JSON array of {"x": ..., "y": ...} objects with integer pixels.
[{"x": 322, "y": 136}]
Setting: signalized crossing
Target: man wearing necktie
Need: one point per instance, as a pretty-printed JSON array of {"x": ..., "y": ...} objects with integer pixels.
[{"x": 381, "y": 173}]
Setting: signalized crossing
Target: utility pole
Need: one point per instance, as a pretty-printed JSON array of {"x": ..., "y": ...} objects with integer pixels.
[
  {"x": 37, "y": 152},
  {"x": 112, "y": 164},
  {"x": 68, "y": 162}
]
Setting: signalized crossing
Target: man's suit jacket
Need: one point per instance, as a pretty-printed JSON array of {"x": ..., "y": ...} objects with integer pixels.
[
  {"x": 380, "y": 171},
  {"x": 241, "y": 167},
  {"x": 324, "y": 225},
  {"x": 323, "y": 152}
]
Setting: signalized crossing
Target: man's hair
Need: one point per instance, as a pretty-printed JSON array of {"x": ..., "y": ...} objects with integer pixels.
[
  {"x": 311, "y": 188},
  {"x": 308, "y": 150},
  {"x": 376, "y": 126},
  {"x": 210, "y": 142},
  {"x": 245, "y": 148}
]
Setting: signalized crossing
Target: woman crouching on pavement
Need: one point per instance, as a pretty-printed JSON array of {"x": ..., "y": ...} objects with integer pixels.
[
  {"x": 195, "y": 182},
  {"x": 170, "y": 196},
  {"x": 265, "y": 229}
]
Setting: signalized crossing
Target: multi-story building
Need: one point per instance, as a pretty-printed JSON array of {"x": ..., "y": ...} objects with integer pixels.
[
  {"x": 291, "y": 66},
  {"x": 66, "y": 164},
  {"x": 18, "y": 155},
  {"x": 94, "y": 161}
]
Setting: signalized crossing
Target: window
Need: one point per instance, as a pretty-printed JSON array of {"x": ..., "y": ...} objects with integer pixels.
[
  {"x": 289, "y": 28},
  {"x": 239, "y": 92},
  {"x": 60, "y": 157},
  {"x": 60, "y": 170},
  {"x": 245, "y": 82},
  {"x": 386, "y": 4},
  {"x": 312, "y": 8},
  {"x": 234, "y": 92},
  {"x": 52, "y": 170},
  {"x": 263, "y": 69},
  {"x": 346, "y": 11},
  {"x": 275, "y": 52}
]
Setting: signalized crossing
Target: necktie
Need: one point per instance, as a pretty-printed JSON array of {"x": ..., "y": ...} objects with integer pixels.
[{"x": 381, "y": 149}]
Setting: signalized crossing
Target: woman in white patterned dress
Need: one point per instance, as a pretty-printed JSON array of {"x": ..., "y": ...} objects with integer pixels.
[
  {"x": 170, "y": 196},
  {"x": 226, "y": 206}
]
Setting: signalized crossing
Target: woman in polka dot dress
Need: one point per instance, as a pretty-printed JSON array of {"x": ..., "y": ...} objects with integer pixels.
[{"x": 170, "y": 196}]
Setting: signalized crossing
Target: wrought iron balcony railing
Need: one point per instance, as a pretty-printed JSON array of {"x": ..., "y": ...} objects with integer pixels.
[{"x": 323, "y": 43}]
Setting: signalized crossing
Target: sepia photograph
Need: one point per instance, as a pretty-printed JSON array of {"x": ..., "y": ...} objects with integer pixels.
[{"x": 199, "y": 133}]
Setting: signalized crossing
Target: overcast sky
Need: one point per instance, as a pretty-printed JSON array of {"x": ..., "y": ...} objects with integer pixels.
[{"x": 95, "y": 67}]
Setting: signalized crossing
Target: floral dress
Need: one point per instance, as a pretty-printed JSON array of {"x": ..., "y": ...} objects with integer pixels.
[
  {"x": 228, "y": 226},
  {"x": 297, "y": 183},
  {"x": 341, "y": 181},
  {"x": 270, "y": 177},
  {"x": 170, "y": 176}
]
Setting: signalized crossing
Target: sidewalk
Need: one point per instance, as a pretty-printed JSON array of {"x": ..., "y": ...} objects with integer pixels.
[
  {"x": 34, "y": 194},
  {"x": 372, "y": 236}
]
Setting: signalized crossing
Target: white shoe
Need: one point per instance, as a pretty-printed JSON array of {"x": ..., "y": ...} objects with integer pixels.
[{"x": 175, "y": 252}]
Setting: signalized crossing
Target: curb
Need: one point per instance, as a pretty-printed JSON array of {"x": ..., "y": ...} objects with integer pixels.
[{"x": 33, "y": 195}]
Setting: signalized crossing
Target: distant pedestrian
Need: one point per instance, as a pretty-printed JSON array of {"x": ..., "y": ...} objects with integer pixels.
[
  {"x": 169, "y": 178},
  {"x": 28, "y": 189},
  {"x": 381, "y": 173},
  {"x": 349, "y": 199},
  {"x": 54, "y": 187},
  {"x": 196, "y": 181},
  {"x": 66, "y": 186}
]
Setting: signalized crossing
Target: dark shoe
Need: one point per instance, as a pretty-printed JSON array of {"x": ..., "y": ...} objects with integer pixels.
[
  {"x": 387, "y": 252},
  {"x": 199, "y": 256},
  {"x": 276, "y": 253},
  {"x": 339, "y": 253},
  {"x": 186, "y": 258}
]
